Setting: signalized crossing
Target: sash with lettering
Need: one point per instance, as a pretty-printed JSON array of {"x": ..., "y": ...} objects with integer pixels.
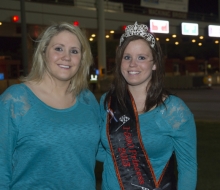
[{"x": 132, "y": 165}]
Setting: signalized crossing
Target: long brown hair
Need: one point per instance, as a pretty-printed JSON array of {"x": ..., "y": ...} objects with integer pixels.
[{"x": 155, "y": 89}]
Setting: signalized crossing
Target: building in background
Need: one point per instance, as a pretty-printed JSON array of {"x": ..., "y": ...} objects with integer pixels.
[{"x": 176, "y": 45}]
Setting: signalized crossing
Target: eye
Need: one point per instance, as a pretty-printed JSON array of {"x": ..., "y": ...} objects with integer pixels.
[
  {"x": 126, "y": 57},
  {"x": 141, "y": 58},
  {"x": 74, "y": 51},
  {"x": 58, "y": 49}
]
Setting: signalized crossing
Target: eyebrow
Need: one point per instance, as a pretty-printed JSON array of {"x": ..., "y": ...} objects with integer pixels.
[{"x": 64, "y": 45}]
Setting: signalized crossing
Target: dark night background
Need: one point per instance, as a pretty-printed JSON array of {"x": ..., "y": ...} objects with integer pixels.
[
  {"x": 197, "y": 6},
  {"x": 203, "y": 6},
  {"x": 12, "y": 45}
]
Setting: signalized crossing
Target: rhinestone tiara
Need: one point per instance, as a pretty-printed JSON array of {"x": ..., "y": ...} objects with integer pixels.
[{"x": 138, "y": 30}]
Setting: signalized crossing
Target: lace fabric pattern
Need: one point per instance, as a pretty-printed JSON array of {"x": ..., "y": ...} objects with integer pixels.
[
  {"x": 47, "y": 143},
  {"x": 166, "y": 129},
  {"x": 176, "y": 113},
  {"x": 18, "y": 105}
]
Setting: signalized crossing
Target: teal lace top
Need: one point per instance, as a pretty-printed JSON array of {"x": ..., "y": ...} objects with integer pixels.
[
  {"x": 43, "y": 148},
  {"x": 164, "y": 130}
]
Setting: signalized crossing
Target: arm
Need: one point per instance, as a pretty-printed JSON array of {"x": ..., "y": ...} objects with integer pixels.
[
  {"x": 101, "y": 151},
  {"x": 7, "y": 144},
  {"x": 185, "y": 150}
]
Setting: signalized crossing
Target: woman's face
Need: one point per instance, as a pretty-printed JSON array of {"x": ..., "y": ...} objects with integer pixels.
[
  {"x": 63, "y": 56},
  {"x": 137, "y": 64}
]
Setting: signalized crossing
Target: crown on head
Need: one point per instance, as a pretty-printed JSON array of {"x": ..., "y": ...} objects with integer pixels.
[{"x": 138, "y": 30}]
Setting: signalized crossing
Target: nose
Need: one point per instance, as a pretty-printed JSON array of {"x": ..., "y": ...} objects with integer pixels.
[
  {"x": 66, "y": 56},
  {"x": 132, "y": 63}
]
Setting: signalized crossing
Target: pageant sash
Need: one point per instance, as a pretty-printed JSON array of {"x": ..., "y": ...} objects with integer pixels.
[{"x": 132, "y": 165}]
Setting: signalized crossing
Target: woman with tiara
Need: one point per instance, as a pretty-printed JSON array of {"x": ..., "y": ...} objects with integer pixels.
[{"x": 145, "y": 129}]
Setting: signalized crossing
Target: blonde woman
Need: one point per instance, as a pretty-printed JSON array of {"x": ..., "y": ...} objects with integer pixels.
[{"x": 49, "y": 129}]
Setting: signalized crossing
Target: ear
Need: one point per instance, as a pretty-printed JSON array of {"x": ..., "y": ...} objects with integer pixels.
[{"x": 154, "y": 67}]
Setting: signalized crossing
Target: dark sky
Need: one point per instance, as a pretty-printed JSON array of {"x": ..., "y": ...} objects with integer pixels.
[
  {"x": 203, "y": 6},
  {"x": 198, "y": 6}
]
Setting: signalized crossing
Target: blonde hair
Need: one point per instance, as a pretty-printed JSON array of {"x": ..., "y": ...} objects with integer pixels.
[{"x": 80, "y": 80}]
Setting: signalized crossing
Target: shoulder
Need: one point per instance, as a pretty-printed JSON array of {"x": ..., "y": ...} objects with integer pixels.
[
  {"x": 14, "y": 92},
  {"x": 14, "y": 88},
  {"x": 102, "y": 99},
  {"x": 88, "y": 98},
  {"x": 175, "y": 112},
  {"x": 176, "y": 104},
  {"x": 102, "y": 105},
  {"x": 89, "y": 102},
  {"x": 16, "y": 99}
]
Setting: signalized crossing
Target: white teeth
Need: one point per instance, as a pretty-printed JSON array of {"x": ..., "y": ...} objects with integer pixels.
[
  {"x": 64, "y": 66},
  {"x": 133, "y": 72}
]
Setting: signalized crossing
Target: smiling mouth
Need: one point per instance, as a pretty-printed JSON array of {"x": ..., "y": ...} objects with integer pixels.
[
  {"x": 64, "y": 66},
  {"x": 133, "y": 72}
]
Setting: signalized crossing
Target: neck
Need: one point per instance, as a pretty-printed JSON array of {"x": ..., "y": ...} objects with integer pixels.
[
  {"x": 138, "y": 92},
  {"x": 56, "y": 87},
  {"x": 139, "y": 95}
]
